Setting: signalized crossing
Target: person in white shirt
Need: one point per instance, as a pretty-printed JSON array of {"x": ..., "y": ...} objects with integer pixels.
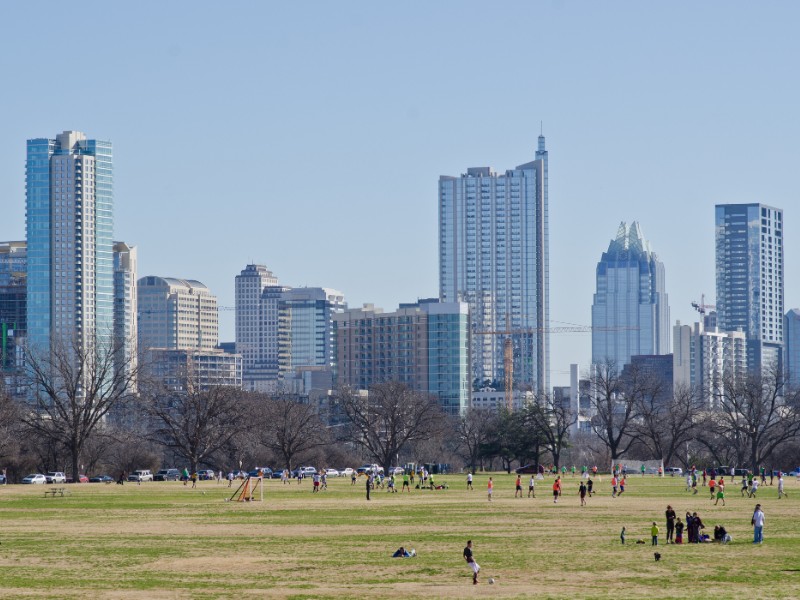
[
  {"x": 758, "y": 525},
  {"x": 781, "y": 493},
  {"x": 531, "y": 490},
  {"x": 469, "y": 481},
  {"x": 753, "y": 488}
]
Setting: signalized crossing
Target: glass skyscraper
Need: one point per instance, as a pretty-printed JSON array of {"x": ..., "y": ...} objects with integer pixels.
[
  {"x": 630, "y": 311},
  {"x": 749, "y": 265},
  {"x": 791, "y": 333},
  {"x": 69, "y": 227},
  {"x": 493, "y": 255}
]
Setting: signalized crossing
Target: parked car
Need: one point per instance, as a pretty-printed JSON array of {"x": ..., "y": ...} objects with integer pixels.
[
  {"x": 276, "y": 474},
  {"x": 331, "y": 472},
  {"x": 396, "y": 470},
  {"x": 206, "y": 475},
  {"x": 81, "y": 479},
  {"x": 141, "y": 475},
  {"x": 36, "y": 478},
  {"x": 528, "y": 470},
  {"x": 369, "y": 469},
  {"x": 673, "y": 471},
  {"x": 101, "y": 479},
  {"x": 265, "y": 472},
  {"x": 348, "y": 472},
  {"x": 3, "y": 479},
  {"x": 55, "y": 477},
  {"x": 167, "y": 475}
]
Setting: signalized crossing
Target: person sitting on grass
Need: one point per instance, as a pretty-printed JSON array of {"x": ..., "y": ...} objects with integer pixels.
[{"x": 401, "y": 552}]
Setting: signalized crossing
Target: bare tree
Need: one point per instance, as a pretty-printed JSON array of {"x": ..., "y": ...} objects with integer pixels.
[
  {"x": 553, "y": 420},
  {"x": 614, "y": 404},
  {"x": 666, "y": 424},
  {"x": 197, "y": 422},
  {"x": 759, "y": 412},
  {"x": 472, "y": 430},
  {"x": 291, "y": 428},
  {"x": 74, "y": 386},
  {"x": 390, "y": 417}
]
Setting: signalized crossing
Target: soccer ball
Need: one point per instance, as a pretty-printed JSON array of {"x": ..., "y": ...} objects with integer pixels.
[{"x": 491, "y": 580}]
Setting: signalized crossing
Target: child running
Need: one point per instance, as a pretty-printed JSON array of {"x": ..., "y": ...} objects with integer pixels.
[
  {"x": 720, "y": 493},
  {"x": 621, "y": 486},
  {"x": 582, "y": 493},
  {"x": 781, "y": 493}
]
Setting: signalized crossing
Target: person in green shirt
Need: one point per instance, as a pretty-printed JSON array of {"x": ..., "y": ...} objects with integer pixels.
[
  {"x": 642, "y": 469},
  {"x": 405, "y": 483},
  {"x": 654, "y": 533}
]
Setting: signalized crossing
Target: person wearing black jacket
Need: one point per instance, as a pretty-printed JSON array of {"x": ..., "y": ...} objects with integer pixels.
[{"x": 670, "y": 514}]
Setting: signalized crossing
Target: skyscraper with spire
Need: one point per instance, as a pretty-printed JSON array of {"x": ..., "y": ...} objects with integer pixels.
[
  {"x": 630, "y": 311},
  {"x": 493, "y": 254}
]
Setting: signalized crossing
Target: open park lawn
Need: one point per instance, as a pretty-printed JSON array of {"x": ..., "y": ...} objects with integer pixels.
[{"x": 166, "y": 540}]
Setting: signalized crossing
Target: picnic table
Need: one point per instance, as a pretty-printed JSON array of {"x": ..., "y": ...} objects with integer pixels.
[{"x": 53, "y": 491}]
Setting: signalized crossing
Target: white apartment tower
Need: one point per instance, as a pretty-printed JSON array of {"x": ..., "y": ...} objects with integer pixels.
[
  {"x": 252, "y": 323},
  {"x": 176, "y": 314},
  {"x": 125, "y": 305}
]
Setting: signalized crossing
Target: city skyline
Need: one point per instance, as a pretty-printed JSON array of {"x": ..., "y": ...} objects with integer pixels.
[{"x": 630, "y": 139}]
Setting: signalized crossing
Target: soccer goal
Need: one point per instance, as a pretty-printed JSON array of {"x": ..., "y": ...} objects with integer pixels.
[{"x": 251, "y": 490}]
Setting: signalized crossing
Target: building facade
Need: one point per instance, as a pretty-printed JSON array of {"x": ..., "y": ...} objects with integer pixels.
[
  {"x": 749, "y": 270},
  {"x": 494, "y": 255},
  {"x": 702, "y": 359},
  {"x": 69, "y": 229},
  {"x": 13, "y": 304},
  {"x": 424, "y": 345},
  {"x": 187, "y": 369},
  {"x": 259, "y": 361},
  {"x": 791, "y": 332},
  {"x": 176, "y": 314},
  {"x": 630, "y": 309}
]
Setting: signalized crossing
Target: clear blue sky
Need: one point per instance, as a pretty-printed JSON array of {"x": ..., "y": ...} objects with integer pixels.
[{"x": 310, "y": 136}]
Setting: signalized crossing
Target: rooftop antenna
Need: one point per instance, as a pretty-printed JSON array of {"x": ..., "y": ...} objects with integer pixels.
[{"x": 541, "y": 127}]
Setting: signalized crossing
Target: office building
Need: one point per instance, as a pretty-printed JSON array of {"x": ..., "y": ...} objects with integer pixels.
[
  {"x": 424, "y": 345},
  {"x": 655, "y": 371},
  {"x": 259, "y": 361},
  {"x": 125, "y": 307},
  {"x": 176, "y": 314},
  {"x": 493, "y": 255},
  {"x": 703, "y": 359},
  {"x": 791, "y": 332},
  {"x": 749, "y": 268},
  {"x": 630, "y": 310},
  {"x": 13, "y": 304},
  {"x": 69, "y": 228}
]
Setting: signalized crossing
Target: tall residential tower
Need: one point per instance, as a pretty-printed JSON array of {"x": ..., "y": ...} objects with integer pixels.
[
  {"x": 630, "y": 311},
  {"x": 69, "y": 208},
  {"x": 749, "y": 247},
  {"x": 493, "y": 255}
]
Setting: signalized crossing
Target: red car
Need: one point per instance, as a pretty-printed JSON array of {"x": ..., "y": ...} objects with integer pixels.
[{"x": 81, "y": 479}]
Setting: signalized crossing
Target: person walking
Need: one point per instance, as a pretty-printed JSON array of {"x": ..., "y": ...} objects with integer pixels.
[
  {"x": 469, "y": 481},
  {"x": 758, "y": 525},
  {"x": 194, "y": 479},
  {"x": 781, "y": 493},
  {"x": 353, "y": 477},
  {"x": 589, "y": 487},
  {"x": 753, "y": 488},
  {"x": 185, "y": 476},
  {"x": 711, "y": 486},
  {"x": 490, "y": 488},
  {"x": 582, "y": 493},
  {"x": 368, "y": 484},
  {"x": 531, "y": 488},
  {"x": 670, "y": 514},
  {"x": 556, "y": 489},
  {"x": 471, "y": 562},
  {"x": 614, "y": 486},
  {"x": 518, "y": 487},
  {"x": 621, "y": 486},
  {"x": 654, "y": 534}
]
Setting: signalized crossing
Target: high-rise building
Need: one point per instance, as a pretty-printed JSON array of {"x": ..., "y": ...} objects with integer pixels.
[
  {"x": 176, "y": 314},
  {"x": 791, "y": 332},
  {"x": 125, "y": 307},
  {"x": 493, "y": 255},
  {"x": 702, "y": 359},
  {"x": 424, "y": 345},
  {"x": 630, "y": 311},
  {"x": 305, "y": 328},
  {"x": 749, "y": 266},
  {"x": 70, "y": 218},
  {"x": 13, "y": 304},
  {"x": 252, "y": 325},
  {"x": 184, "y": 369}
]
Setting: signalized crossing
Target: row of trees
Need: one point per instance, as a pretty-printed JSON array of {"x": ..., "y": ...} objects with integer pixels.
[{"x": 88, "y": 411}]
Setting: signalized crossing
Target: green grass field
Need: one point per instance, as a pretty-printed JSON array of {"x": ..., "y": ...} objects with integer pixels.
[{"x": 165, "y": 540}]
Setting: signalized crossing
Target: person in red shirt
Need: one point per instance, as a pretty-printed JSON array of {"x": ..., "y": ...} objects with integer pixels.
[
  {"x": 556, "y": 489},
  {"x": 518, "y": 492}
]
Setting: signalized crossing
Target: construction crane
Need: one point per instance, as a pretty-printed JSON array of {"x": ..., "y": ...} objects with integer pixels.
[
  {"x": 702, "y": 306},
  {"x": 508, "y": 348}
]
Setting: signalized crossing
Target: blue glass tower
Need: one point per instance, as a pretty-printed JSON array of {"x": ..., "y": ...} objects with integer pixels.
[
  {"x": 630, "y": 311},
  {"x": 69, "y": 228}
]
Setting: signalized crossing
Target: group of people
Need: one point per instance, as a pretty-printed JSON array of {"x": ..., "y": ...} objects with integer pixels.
[{"x": 694, "y": 526}]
